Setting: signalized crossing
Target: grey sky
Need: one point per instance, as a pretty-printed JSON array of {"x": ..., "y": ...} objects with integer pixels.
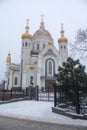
[{"x": 13, "y": 15}]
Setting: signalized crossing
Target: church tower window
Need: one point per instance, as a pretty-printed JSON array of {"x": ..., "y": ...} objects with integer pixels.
[
  {"x": 25, "y": 43},
  {"x": 31, "y": 80},
  {"x": 37, "y": 46},
  {"x": 43, "y": 45},
  {"x": 64, "y": 47},
  {"x": 16, "y": 80}
]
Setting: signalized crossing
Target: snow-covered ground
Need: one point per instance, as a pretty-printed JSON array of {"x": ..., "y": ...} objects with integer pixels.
[{"x": 37, "y": 110}]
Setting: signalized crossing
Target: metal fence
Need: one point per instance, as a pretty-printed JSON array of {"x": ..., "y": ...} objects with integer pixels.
[
  {"x": 11, "y": 94},
  {"x": 35, "y": 93},
  {"x": 45, "y": 96},
  {"x": 32, "y": 93}
]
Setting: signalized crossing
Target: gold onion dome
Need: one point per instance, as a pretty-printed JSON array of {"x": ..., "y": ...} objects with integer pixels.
[
  {"x": 42, "y": 32},
  {"x": 31, "y": 66},
  {"x": 62, "y": 38},
  {"x": 12, "y": 68},
  {"x": 8, "y": 59},
  {"x": 26, "y": 34}
]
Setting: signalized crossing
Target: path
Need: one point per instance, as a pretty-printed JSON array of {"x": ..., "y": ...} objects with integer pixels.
[{"x": 7, "y": 123}]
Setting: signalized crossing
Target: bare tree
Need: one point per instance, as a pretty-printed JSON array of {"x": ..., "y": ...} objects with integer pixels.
[{"x": 78, "y": 49}]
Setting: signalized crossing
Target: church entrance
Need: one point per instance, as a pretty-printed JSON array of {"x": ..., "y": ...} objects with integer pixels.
[{"x": 49, "y": 85}]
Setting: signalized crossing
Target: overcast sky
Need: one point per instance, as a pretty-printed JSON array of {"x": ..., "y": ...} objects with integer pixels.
[{"x": 13, "y": 15}]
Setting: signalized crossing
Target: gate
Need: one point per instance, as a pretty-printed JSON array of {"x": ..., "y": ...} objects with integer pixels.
[
  {"x": 32, "y": 92},
  {"x": 35, "y": 93},
  {"x": 45, "y": 95}
]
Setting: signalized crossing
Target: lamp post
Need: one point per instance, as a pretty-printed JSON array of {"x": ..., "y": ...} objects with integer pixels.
[
  {"x": 31, "y": 88},
  {"x": 3, "y": 81}
]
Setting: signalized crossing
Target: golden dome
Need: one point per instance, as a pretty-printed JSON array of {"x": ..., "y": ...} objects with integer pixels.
[
  {"x": 12, "y": 68},
  {"x": 8, "y": 59},
  {"x": 62, "y": 38},
  {"x": 42, "y": 32},
  {"x": 49, "y": 43},
  {"x": 31, "y": 66},
  {"x": 26, "y": 34}
]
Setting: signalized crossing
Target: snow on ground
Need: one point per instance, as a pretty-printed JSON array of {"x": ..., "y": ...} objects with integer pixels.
[{"x": 37, "y": 110}]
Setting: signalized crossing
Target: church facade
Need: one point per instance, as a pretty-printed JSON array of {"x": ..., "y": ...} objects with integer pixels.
[{"x": 39, "y": 61}]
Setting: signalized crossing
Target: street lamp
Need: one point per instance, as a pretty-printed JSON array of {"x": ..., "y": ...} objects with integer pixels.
[{"x": 3, "y": 81}]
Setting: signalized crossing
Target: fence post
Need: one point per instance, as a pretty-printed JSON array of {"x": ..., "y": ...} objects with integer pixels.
[
  {"x": 3, "y": 98},
  {"x": 48, "y": 93},
  {"x": 11, "y": 94},
  {"x": 54, "y": 85},
  {"x": 36, "y": 93},
  {"x": 30, "y": 93}
]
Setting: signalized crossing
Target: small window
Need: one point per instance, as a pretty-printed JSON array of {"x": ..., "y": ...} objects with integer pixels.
[
  {"x": 37, "y": 46},
  {"x": 33, "y": 48},
  {"x": 15, "y": 82},
  {"x": 43, "y": 45},
  {"x": 8, "y": 81},
  {"x": 31, "y": 80},
  {"x": 64, "y": 47},
  {"x": 25, "y": 43}
]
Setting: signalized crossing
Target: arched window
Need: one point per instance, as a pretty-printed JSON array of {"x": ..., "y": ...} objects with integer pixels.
[
  {"x": 16, "y": 80},
  {"x": 50, "y": 68}
]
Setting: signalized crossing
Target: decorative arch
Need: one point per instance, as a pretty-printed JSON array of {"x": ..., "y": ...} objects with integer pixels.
[{"x": 49, "y": 67}]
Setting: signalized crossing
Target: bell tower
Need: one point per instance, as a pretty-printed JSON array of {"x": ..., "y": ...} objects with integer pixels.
[
  {"x": 25, "y": 53},
  {"x": 63, "y": 45}
]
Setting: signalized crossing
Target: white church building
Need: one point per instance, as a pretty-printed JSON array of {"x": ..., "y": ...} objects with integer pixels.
[{"x": 39, "y": 61}]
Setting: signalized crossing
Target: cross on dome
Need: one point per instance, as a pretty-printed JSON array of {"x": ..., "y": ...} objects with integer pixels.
[
  {"x": 42, "y": 27},
  {"x": 62, "y": 31},
  {"x": 42, "y": 16},
  {"x": 61, "y": 26},
  {"x": 27, "y": 27},
  {"x": 27, "y": 22},
  {"x": 27, "y": 34}
]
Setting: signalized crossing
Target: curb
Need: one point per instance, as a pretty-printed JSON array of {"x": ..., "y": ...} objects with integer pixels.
[
  {"x": 71, "y": 115},
  {"x": 13, "y": 100}
]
